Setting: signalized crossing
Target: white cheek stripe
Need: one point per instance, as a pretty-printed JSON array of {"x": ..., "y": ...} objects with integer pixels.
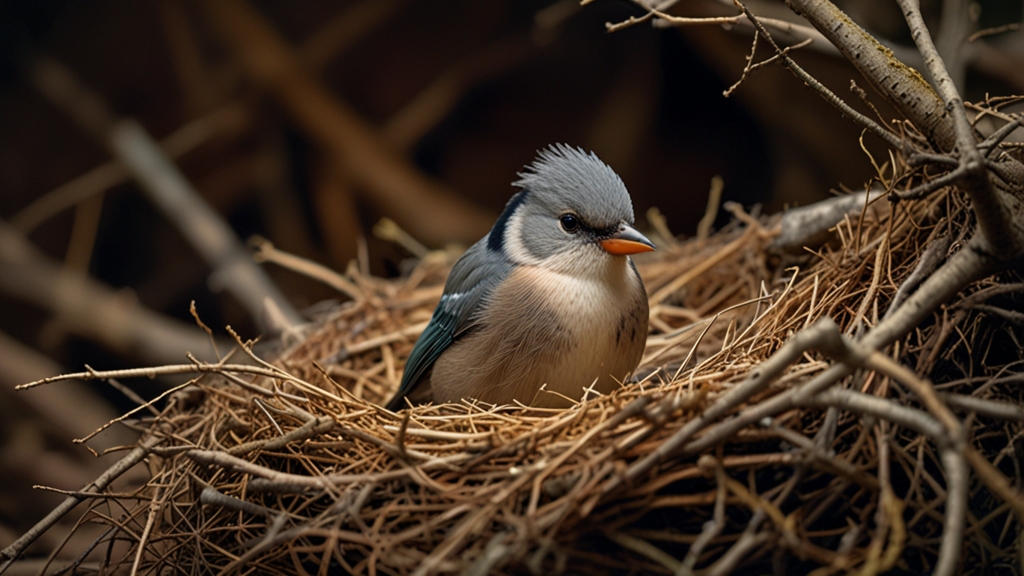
[{"x": 514, "y": 247}]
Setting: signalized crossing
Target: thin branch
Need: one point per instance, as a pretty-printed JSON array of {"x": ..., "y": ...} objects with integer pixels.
[
  {"x": 962, "y": 268},
  {"x": 955, "y": 26},
  {"x": 829, "y": 96},
  {"x": 212, "y": 497},
  {"x": 750, "y": 67},
  {"x": 164, "y": 371},
  {"x": 994, "y": 220},
  {"x": 922, "y": 191},
  {"x": 1012, "y": 27},
  {"x": 1011, "y": 315},
  {"x": 134, "y": 457},
  {"x": 955, "y": 514},
  {"x": 631, "y": 21},
  {"x": 921, "y": 158},
  {"x": 712, "y": 528},
  {"x": 997, "y": 409},
  {"x": 267, "y": 252},
  {"x": 889, "y": 410},
  {"x": 992, "y": 142},
  {"x": 929, "y": 261}
]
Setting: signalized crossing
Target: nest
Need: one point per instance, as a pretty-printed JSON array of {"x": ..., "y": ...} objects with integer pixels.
[{"x": 292, "y": 466}]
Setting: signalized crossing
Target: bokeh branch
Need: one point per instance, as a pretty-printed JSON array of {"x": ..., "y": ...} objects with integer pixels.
[
  {"x": 167, "y": 187},
  {"x": 397, "y": 188},
  {"x": 87, "y": 308}
]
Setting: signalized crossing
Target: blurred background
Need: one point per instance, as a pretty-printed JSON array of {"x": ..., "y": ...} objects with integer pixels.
[{"x": 307, "y": 122}]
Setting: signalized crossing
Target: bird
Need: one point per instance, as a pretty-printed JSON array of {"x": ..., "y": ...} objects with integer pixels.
[{"x": 549, "y": 299}]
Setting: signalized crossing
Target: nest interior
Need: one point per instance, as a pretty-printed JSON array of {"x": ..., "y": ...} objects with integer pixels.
[{"x": 291, "y": 465}]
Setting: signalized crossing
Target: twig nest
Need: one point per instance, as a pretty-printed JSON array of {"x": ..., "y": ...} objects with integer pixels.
[{"x": 710, "y": 459}]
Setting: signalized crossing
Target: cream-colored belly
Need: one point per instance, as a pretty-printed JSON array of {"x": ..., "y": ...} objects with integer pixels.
[{"x": 547, "y": 350}]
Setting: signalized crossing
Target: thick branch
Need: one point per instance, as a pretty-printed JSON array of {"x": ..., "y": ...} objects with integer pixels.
[
  {"x": 811, "y": 226},
  {"x": 900, "y": 84},
  {"x": 962, "y": 268}
]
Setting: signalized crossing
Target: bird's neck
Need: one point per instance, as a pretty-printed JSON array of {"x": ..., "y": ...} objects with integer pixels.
[{"x": 589, "y": 265}]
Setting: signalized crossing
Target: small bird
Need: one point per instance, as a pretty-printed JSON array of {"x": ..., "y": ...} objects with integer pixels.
[{"x": 549, "y": 298}]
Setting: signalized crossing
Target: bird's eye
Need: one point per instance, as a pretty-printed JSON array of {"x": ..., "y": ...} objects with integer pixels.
[{"x": 569, "y": 222}]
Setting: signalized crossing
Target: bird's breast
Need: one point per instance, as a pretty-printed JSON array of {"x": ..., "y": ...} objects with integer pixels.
[
  {"x": 587, "y": 307},
  {"x": 540, "y": 328}
]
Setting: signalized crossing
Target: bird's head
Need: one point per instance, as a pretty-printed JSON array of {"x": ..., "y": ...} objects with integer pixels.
[{"x": 573, "y": 212}]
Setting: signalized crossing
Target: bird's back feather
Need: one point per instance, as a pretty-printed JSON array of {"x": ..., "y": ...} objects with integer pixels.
[{"x": 472, "y": 278}]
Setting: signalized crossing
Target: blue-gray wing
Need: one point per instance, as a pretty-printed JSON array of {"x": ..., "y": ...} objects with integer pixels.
[{"x": 472, "y": 278}]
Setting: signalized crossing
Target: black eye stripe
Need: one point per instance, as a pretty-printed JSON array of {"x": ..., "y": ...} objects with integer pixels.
[{"x": 573, "y": 224}]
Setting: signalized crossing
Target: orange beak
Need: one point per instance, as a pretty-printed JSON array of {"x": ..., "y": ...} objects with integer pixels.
[{"x": 627, "y": 241}]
